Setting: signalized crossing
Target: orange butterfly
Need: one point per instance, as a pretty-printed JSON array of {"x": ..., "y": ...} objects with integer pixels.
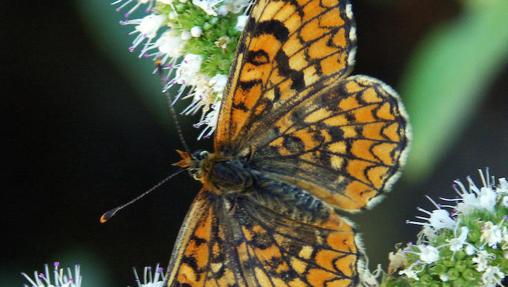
[{"x": 297, "y": 140}]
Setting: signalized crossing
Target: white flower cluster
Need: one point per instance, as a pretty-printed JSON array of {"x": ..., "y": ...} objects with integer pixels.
[
  {"x": 151, "y": 278},
  {"x": 58, "y": 277},
  {"x": 222, "y": 7},
  {"x": 160, "y": 36},
  {"x": 474, "y": 212}
]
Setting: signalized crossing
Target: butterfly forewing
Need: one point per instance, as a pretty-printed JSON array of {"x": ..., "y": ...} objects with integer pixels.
[{"x": 288, "y": 48}]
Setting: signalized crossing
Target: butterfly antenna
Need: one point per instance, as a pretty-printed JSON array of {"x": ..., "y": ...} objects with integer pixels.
[
  {"x": 109, "y": 214},
  {"x": 169, "y": 99}
]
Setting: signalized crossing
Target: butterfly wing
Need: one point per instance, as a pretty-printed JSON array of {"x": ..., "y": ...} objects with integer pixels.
[
  {"x": 276, "y": 250},
  {"x": 242, "y": 241},
  {"x": 344, "y": 143},
  {"x": 320, "y": 136},
  {"x": 202, "y": 256},
  {"x": 287, "y": 50}
]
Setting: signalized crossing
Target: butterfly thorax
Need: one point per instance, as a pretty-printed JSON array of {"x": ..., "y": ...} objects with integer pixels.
[{"x": 218, "y": 173}]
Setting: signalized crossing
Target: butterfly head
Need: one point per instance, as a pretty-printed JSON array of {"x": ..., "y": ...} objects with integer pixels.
[
  {"x": 193, "y": 162},
  {"x": 218, "y": 173}
]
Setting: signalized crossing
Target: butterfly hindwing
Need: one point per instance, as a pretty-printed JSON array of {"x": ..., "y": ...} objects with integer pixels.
[
  {"x": 202, "y": 256},
  {"x": 255, "y": 242},
  {"x": 276, "y": 250},
  {"x": 288, "y": 48},
  {"x": 344, "y": 143}
]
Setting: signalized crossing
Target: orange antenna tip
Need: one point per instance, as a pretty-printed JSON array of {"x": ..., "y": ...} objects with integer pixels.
[{"x": 108, "y": 215}]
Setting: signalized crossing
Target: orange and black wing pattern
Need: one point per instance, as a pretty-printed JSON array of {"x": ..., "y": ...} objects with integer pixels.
[
  {"x": 276, "y": 250},
  {"x": 316, "y": 139},
  {"x": 291, "y": 106},
  {"x": 287, "y": 49},
  {"x": 202, "y": 255},
  {"x": 242, "y": 241},
  {"x": 345, "y": 143}
]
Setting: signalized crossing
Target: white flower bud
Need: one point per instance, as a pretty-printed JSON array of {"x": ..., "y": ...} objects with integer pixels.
[
  {"x": 218, "y": 83},
  {"x": 189, "y": 68},
  {"x": 470, "y": 250},
  {"x": 444, "y": 277},
  {"x": 491, "y": 234},
  {"x": 456, "y": 243},
  {"x": 207, "y": 5},
  {"x": 503, "y": 185},
  {"x": 409, "y": 272},
  {"x": 186, "y": 35},
  {"x": 492, "y": 276},
  {"x": 149, "y": 25},
  {"x": 237, "y": 6},
  {"x": 170, "y": 44},
  {"x": 223, "y": 10},
  {"x": 482, "y": 260},
  {"x": 428, "y": 253},
  {"x": 241, "y": 22},
  {"x": 487, "y": 198},
  {"x": 196, "y": 32},
  {"x": 172, "y": 15}
]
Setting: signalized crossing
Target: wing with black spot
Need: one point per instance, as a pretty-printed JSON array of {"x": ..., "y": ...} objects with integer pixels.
[
  {"x": 344, "y": 143},
  {"x": 277, "y": 236},
  {"x": 289, "y": 48},
  {"x": 202, "y": 256},
  {"x": 277, "y": 250}
]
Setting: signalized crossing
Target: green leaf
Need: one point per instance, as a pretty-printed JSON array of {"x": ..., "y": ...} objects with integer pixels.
[{"x": 448, "y": 77}]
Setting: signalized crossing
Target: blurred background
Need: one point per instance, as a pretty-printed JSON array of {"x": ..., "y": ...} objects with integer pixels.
[{"x": 87, "y": 129}]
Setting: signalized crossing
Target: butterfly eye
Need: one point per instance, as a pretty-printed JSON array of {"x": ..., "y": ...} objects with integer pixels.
[
  {"x": 203, "y": 154},
  {"x": 200, "y": 155}
]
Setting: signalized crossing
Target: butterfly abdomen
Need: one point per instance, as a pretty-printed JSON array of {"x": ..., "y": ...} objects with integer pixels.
[{"x": 289, "y": 200}]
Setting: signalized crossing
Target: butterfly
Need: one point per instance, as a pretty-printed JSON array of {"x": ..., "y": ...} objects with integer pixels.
[{"x": 298, "y": 140}]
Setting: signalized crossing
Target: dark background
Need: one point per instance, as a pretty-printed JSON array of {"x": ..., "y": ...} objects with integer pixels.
[{"x": 80, "y": 140}]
